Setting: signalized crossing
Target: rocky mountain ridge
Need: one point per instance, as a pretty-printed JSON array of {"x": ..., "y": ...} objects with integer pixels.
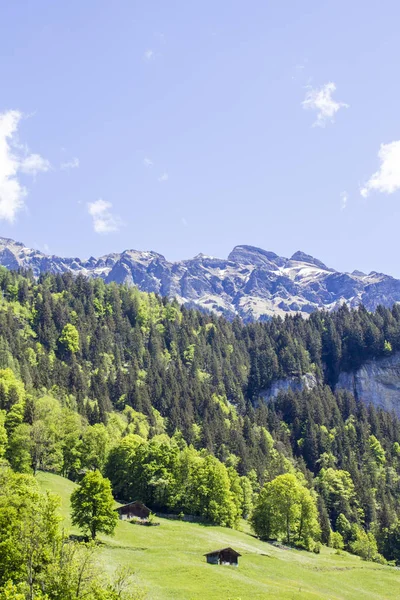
[{"x": 251, "y": 283}]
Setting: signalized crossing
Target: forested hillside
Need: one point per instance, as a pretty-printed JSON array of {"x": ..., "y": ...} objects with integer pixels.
[{"x": 165, "y": 402}]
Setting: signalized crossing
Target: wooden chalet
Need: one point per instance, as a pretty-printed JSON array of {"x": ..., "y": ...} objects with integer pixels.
[
  {"x": 226, "y": 556},
  {"x": 133, "y": 510}
]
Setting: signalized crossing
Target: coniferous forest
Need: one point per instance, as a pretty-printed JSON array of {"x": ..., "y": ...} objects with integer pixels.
[{"x": 164, "y": 402}]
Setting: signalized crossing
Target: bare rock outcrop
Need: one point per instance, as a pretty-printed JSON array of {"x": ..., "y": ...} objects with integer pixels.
[
  {"x": 294, "y": 384},
  {"x": 376, "y": 382}
]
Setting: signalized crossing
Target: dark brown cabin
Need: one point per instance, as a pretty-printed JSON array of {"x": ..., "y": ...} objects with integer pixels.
[
  {"x": 226, "y": 556},
  {"x": 133, "y": 510}
]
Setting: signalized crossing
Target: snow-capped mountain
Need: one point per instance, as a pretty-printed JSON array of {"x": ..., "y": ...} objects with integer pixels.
[{"x": 251, "y": 283}]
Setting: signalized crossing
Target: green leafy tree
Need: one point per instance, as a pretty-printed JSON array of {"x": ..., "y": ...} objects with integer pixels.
[
  {"x": 10, "y": 592},
  {"x": 337, "y": 489},
  {"x": 247, "y": 496},
  {"x": 376, "y": 450},
  {"x": 365, "y": 545},
  {"x": 286, "y": 509},
  {"x": 19, "y": 446},
  {"x": 29, "y": 530},
  {"x": 119, "y": 464},
  {"x": 46, "y": 434},
  {"x": 92, "y": 505},
  {"x": 209, "y": 492},
  {"x": 14, "y": 417},
  {"x": 336, "y": 540},
  {"x": 69, "y": 338},
  {"x": 343, "y": 526},
  {"x": 95, "y": 447}
]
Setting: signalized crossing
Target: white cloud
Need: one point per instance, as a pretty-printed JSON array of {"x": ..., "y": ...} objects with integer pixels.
[
  {"x": 70, "y": 164},
  {"x": 163, "y": 177},
  {"x": 148, "y": 162},
  {"x": 320, "y": 100},
  {"x": 14, "y": 160},
  {"x": 344, "y": 197},
  {"x": 34, "y": 164},
  {"x": 104, "y": 221},
  {"x": 184, "y": 222},
  {"x": 149, "y": 54},
  {"x": 387, "y": 178}
]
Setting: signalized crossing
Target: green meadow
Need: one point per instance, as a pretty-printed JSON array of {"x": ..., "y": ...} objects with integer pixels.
[{"x": 170, "y": 565}]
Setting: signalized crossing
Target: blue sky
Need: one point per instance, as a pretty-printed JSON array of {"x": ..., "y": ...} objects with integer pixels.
[{"x": 186, "y": 127}]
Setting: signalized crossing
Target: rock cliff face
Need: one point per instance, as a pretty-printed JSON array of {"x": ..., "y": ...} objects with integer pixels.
[
  {"x": 376, "y": 382},
  {"x": 293, "y": 384},
  {"x": 251, "y": 283}
]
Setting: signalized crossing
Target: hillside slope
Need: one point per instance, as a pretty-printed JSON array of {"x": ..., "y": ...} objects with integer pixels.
[
  {"x": 252, "y": 283},
  {"x": 169, "y": 562}
]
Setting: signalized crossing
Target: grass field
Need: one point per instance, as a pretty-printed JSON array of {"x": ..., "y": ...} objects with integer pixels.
[{"x": 169, "y": 563}]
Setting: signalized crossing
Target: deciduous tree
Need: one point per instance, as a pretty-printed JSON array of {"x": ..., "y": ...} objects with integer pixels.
[
  {"x": 92, "y": 505},
  {"x": 286, "y": 509}
]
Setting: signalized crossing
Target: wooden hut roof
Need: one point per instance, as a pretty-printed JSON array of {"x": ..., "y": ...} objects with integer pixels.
[
  {"x": 229, "y": 549},
  {"x": 134, "y": 503}
]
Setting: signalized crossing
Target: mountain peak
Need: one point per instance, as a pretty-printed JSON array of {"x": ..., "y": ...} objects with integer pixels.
[
  {"x": 300, "y": 256},
  {"x": 10, "y": 242},
  {"x": 251, "y": 255}
]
